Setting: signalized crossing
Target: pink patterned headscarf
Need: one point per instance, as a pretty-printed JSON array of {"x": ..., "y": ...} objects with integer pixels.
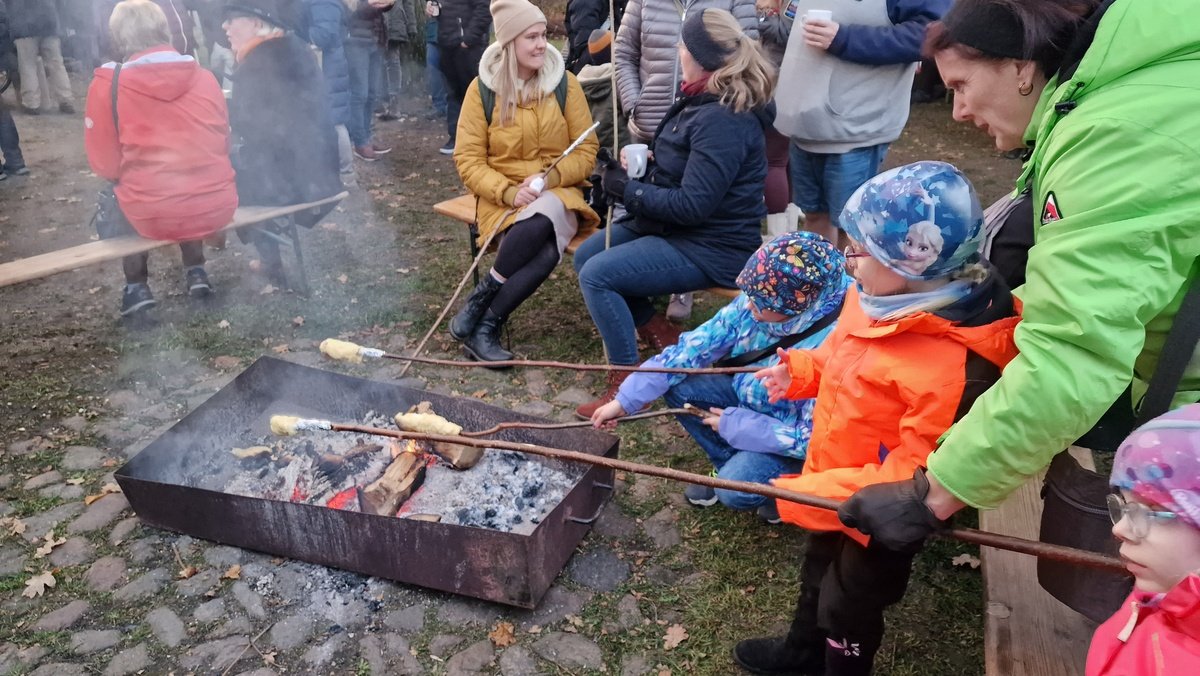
[{"x": 1160, "y": 463}]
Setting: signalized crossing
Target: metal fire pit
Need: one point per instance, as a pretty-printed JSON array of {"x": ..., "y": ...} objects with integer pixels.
[{"x": 175, "y": 483}]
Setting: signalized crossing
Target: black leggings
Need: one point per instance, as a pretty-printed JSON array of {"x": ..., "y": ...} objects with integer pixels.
[
  {"x": 527, "y": 256},
  {"x": 136, "y": 270}
]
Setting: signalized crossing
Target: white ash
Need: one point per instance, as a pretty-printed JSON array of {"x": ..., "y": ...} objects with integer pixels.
[{"x": 505, "y": 491}]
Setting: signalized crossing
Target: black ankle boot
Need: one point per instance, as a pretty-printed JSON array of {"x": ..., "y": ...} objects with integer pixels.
[
  {"x": 780, "y": 657},
  {"x": 481, "y": 297},
  {"x": 484, "y": 342}
]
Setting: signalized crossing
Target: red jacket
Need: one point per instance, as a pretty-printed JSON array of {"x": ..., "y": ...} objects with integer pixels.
[
  {"x": 171, "y": 165},
  {"x": 885, "y": 392},
  {"x": 1144, "y": 639}
]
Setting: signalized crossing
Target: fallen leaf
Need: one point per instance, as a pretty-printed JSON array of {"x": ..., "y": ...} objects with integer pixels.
[
  {"x": 329, "y": 225},
  {"x": 502, "y": 635},
  {"x": 280, "y": 349},
  {"x": 188, "y": 571},
  {"x": 50, "y": 543},
  {"x": 36, "y": 585},
  {"x": 770, "y": 574},
  {"x": 267, "y": 290},
  {"x": 965, "y": 560},
  {"x": 226, "y": 363},
  {"x": 403, "y": 271},
  {"x": 269, "y": 658},
  {"x": 223, "y": 324},
  {"x": 94, "y": 289},
  {"x": 676, "y": 634},
  {"x": 298, "y": 320},
  {"x": 104, "y": 490},
  {"x": 15, "y": 526},
  {"x": 535, "y": 629},
  {"x": 343, "y": 278},
  {"x": 478, "y": 394},
  {"x": 575, "y": 620},
  {"x": 75, "y": 482},
  {"x": 234, "y": 573}
]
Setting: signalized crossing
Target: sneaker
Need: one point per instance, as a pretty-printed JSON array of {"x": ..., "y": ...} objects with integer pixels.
[
  {"x": 387, "y": 116},
  {"x": 20, "y": 171},
  {"x": 31, "y": 111},
  {"x": 196, "y": 281},
  {"x": 680, "y": 307},
  {"x": 381, "y": 150},
  {"x": 700, "y": 496},
  {"x": 447, "y": 149},
  {"x": 137, "y": 298},
  {"x": 66, "y": 108},
  {"x": 3, "y": 176},
  {"x": 366, "y": 153},
  {"x": 768, "y": 513}
]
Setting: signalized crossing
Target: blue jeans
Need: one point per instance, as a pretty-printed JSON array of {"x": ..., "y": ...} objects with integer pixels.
[
  {"x": 10, "y": 142},
  {"x": 717, "y": 391},
  {"x": 617, "y": 284},
  {"x": 364, "y": 57},
  {"x": 822, "y": 183},
  {"x": 437, "y": 81}
]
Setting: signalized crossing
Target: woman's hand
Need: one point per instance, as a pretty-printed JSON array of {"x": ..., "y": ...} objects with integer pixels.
[
  {"x": 820, "y": 33},
  {"x": 777, "y": 379},
  {"x": 525, "y": 196},
  {"x": 714, "y": 420},
  {"x": 604, "y": 416}
]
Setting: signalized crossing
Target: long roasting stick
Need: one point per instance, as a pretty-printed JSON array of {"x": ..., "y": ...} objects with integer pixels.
[
  {"x": 1044, "y": 550},
  {"x": 342, "y": 350},
  {"x": 692, "y": 410}
]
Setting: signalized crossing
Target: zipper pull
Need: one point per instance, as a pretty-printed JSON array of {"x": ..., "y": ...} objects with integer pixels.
[{"x": 1123, "y": 636}]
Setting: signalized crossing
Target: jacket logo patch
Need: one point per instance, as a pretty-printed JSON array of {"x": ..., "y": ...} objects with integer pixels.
[{"x": 1050, "y": 212}]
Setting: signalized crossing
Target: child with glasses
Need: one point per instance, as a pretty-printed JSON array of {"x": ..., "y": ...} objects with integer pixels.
[
  {"x": 915, "y": 343},
  {"x": 1156, "y": 516}
]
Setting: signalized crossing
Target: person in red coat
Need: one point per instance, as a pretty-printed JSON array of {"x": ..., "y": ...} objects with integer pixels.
[
  {"x": 166, "y": 151},
  {"x": 1156, "y": 517}
]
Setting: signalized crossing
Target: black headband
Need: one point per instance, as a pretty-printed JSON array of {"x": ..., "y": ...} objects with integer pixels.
[
  {"x": 700, "y": 44},
  {"x": 991, "y": 28}
]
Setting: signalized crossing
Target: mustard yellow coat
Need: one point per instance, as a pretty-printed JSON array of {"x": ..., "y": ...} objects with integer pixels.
[{"x": 493, "y": 160}]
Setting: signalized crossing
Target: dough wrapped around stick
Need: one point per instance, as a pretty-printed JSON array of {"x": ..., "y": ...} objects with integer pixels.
[
  {"x": 427, "y": 423},
  {"x": 341, "y": 350},
  {"x": 290, "y": 425},
  {"x": 421, "y": 418}
]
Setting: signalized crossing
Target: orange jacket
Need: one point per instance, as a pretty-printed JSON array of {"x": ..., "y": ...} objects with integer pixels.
[{"x": 885, "y": 392}]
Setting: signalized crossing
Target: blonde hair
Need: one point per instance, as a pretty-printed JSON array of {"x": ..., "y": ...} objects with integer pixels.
[
  {"x": 510, "y": 92},
  {"x": 747, "y": 80},
  {"x": 137, "y": 25}
]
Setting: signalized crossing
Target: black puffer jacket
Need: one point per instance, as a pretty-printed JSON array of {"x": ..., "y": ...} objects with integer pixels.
[
  {"x": 279, "y": 113},
  {"x": 33, "y": 18},
  {"x": 366, "y": 22},
  {"x": 464, "y": 22}
]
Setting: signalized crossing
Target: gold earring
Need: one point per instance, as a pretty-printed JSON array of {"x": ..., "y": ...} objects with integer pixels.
[{"x": 1025, "y": 88}]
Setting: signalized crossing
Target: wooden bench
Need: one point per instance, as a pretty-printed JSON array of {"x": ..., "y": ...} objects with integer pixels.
[
  {"x": 1027, "y": 632},
  {"x": 462, "y": 208},
  {"x": 46, "y": 264}
]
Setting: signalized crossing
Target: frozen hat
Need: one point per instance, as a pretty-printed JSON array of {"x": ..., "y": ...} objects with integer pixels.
[
  {"x": 512, "y": 17},
  {"x": 788, "y": 273},
  {"x": 922, "y": 220},
  {"x": 1160, "y": 463}
]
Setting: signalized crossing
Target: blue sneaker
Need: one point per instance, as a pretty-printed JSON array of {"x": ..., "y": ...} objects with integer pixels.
[
  {"x": 700, "y": 496},
  {"x": 196, "y": 281},
  {"x": 137, "y": 298}
]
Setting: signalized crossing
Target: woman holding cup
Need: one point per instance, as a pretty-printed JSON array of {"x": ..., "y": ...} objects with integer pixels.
[{"x": 693, "y": 217}]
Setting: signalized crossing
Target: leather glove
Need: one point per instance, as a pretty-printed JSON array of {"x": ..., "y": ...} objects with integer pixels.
[
  {"x": 614, "y": 182},
  {"x": 893, "y": 514}
]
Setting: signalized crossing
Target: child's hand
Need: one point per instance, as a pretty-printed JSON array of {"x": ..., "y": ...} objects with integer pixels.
[
  {"x": 777, "y": 379},
  {"x": 820, "y": 33},
  {"x": 714, "y": 420},
  {"x": 603, "y": 417}
]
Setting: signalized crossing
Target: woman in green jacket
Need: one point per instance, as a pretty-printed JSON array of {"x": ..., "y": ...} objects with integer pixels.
[{"x": 1104, "y": 93}]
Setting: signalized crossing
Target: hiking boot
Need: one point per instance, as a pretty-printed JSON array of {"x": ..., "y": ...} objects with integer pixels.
[
  {"x": 700, "y": 496},
  {"x": 615, "y": 378},
  {"x": 484, "y": 341},
  {"x": 387, "y": 116},
  {"x": 381, "y": 150},
  {"x": 66, "y": 108},
  {"x": 776, "y": 656},
  {"x": 137, "y": 298},
  {"x": 463, "y": 323},
  {"x": 448, "y": 148},
  {"x": 19, "y": 171},
  {"x": 196, "y": 281},
  {"x": 658, "y": 333},
  {"x": 680, "y": 307},
  {"x": 768, "y": 513},
  {"x": 366, "y": 153}
]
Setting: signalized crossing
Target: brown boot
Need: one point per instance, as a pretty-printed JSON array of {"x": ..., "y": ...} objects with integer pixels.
[
  {"x": 659, "y": 333},
  {"x": 615, "y": 378}
]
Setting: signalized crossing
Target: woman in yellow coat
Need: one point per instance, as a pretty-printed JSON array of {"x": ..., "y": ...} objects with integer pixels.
[{"x": 538, "y": 109}]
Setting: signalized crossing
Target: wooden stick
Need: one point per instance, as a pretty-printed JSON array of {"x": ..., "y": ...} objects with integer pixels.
[
  {"x": 711, "y": 370},
  {"x": 1044, "y": 550},
  {"x": 583, "y": 423}
]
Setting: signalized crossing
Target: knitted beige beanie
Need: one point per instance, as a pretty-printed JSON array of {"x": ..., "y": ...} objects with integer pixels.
[{"x": 513, "y": 17}]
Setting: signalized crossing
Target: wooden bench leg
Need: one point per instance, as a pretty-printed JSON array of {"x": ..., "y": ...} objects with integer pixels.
[{"x": 473, "y": 236}]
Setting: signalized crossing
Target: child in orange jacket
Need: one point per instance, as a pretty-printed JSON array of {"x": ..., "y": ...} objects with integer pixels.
[{"x": 927, "y": 329}]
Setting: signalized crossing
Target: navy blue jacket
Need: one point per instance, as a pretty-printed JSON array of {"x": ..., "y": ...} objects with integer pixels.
[
  {"x": 706, "y": 184},
  {"x": 326, "y": 28},
  {"x": 33, "y": 18},
  {"x": 883, "y": 45}
]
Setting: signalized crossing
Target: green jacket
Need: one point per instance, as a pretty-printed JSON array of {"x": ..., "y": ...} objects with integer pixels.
[{"x": 1121, "y": 173}]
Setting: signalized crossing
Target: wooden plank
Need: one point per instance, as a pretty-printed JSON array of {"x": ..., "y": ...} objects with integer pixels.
[
  {"x": 1027, "y": 632},
  {"x": 100, "y": 251}
]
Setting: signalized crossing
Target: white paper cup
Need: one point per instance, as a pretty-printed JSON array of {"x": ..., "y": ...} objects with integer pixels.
[
  {"x": 818, "y": 15},
  {"x": 636, "y": 155}
]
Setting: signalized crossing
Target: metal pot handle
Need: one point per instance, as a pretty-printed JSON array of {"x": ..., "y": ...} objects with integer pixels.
[{"x": 592, "y": 519}]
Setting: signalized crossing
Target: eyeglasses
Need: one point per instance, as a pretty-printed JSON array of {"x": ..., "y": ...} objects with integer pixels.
[
  {"x": 1139, "y": 515},
  {"x": 850, "y": 254}
]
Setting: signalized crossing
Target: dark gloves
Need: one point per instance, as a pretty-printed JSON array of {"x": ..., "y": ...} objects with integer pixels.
[
  {"x": 893, "y": 514},
  {"x": 614, "y": 181}
]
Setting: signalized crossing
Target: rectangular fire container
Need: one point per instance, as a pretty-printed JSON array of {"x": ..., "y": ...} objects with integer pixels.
[{"x": 175, "y": 483}]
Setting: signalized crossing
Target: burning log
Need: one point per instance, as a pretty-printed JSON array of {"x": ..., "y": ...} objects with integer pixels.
[
  {"x": 331, "y": 463},
  {"x": 251, "y": 452},
  {"x": 405, "y": 475}
]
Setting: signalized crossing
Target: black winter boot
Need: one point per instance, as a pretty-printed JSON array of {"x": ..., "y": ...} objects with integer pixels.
[
  {"x": 780, "y": 656},
  {"x": 484, "y": 342},
  {"x": 463, "y": 324}
]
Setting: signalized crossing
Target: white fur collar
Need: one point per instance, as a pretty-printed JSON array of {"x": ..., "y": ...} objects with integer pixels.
[{"x": 548, "y": 77}]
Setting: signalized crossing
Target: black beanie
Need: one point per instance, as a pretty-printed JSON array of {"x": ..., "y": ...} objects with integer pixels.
[
  {"x": 700, "y": 44},
  {"x": 267, "y": 10},
  {"x": 989, "y": 27}
]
